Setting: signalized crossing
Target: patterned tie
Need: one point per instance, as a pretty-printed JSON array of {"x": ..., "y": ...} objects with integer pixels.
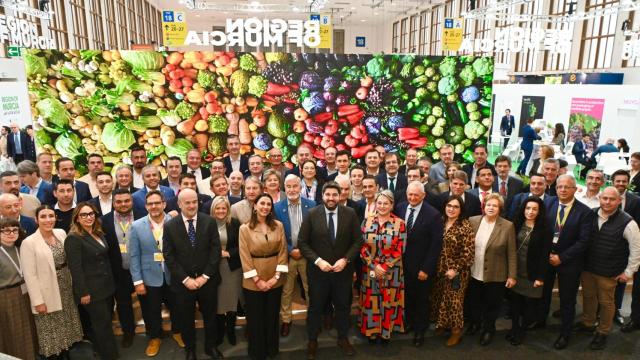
[
  {"x": 410, "y": 218},
  {"x": 392, "y": 185},
  {"x": 191, "y": 234},
  {"x": 503, "y": 188},
  {"x": 332, "y": 228}
]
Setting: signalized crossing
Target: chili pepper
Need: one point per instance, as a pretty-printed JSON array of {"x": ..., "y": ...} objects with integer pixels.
[
  {"x": 355, "y": 117},
  {"x": 288, "y": 100},
  {"x": 407, "y": 133},
  {"x": 344, "y": 110},
  {"x": 331, "y": 127},
  {"x": 268, "y": 98},
  {"x": 351, "y": 141},
  {"x": 294, "y": 86},
  {"x": 277, "y": 89},
  {"x": 416, "y": 143},
  {"x": 360, "y": 151},
  {"x": 323, "y": 117}
]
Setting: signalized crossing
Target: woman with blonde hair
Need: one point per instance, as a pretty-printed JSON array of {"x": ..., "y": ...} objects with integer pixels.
[{"x": 271, "y": 185}]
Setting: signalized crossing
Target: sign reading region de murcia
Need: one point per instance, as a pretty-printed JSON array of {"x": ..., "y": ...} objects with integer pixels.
[
  {"x": 257, "y": 32},
  {"x": 516, "y": 39}
]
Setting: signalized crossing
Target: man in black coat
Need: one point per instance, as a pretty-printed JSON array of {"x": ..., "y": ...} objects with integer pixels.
[
  {"x": 193, "y": 166},
  {"x": 17, "y": 143},
  {"x": 422, "y": 249},
  {"x": 330, "y": 240},
  {"x": 392, "y": 179},
  {"x": 235, "y": 161},
  {"x": 188, "y": 181},
  {"x": 504, "y": 184},
  {"x": 191, "y": 249},
  {"x": 116, "y": 225},
  {"x": 480, "y": 155},
  {"x": 571, "y": 221},
  {"x": 345, "y": 193},
  {"x": 507, "y": 124},
  {"x": 67, "y": 170},
  {"x": 303, "y": 154},
  {"x": 457, "y": 186}
]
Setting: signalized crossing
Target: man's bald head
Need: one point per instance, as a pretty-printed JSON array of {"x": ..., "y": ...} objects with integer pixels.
[
  {"x": 10, "y": 206},
  {"x": 188, "y": 202}
]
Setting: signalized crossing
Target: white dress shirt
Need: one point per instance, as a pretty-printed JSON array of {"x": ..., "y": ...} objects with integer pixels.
[
  {"x": 137, "y": 180},
  {"x": 105, "y": 204},
  {"x": 592, "y": 202},
  {"x": 235, "y": 163},
  {"x": 196, "y": 172},
  {"x": 482, "y": 238},
  {"x": 416, "y": 211},
  {"x": 34, "y": 190}
]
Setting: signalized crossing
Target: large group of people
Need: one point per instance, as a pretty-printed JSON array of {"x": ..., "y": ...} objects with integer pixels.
[{"x": 411, "y": 244}]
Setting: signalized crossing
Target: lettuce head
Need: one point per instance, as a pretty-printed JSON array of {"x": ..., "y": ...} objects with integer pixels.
[{"x": 116, "y": 137}]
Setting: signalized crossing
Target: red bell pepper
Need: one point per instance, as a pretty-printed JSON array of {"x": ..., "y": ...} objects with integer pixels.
[
  {"x": 277, "y": 89},
  {"x": 331, "y": 128},
  {"x": 318, "y": 153},
  {"x": 327, "y": 141},
  {"x": 357, "y": 132},
  {"x": 351, "y": 141},
  {"x": 345, "y": 110},
  {"x": 416, "y": 143},
  {"x": 324, "y": 116},
  {"x": 355, "y": 118},
  {"x": 408, "y": 133},
  {"x": 360, "y": 151}
]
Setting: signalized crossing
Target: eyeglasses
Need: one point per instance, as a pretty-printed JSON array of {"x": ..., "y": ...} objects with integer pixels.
[
  {"x": 451, "y": 206},
  {"x": 10, "y": 231},
  {"x": 87, "y": 215},
  {"x": 565, "y": 187},
  {"x": 154, "y": 203}
]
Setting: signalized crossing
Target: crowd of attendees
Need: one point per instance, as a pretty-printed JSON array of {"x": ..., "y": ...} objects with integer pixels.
[{"x": 440, "y": 243}]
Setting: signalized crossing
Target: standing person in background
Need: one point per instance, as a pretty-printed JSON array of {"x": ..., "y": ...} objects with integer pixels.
[
  {"x": 235, "y": 161},
  {"x": 330, "y": 161},
  {"x": 151, "y": 178},
  {"x": 104, "y": 201},
  {"x": 544, "y": 152},
  {"x": 303, "y": 154},
  {"x": 263, "y": 253},
  {"x": 372, "y": 161},
  {"x": 242, "y": 209},
  {"x": 236, "y": 183},
  {"x": 256, "y": 166},
  {"x": 591, "y": 196},
  {"x": 345, "y": 194},
  {"x": 274, "y": 157},
  {"x": 438, "y": 171},
  {"x": 93, "y": 286},
  {"x": 507, "y": 124},
  {"x": 356, "y": 175},
  {"x": 310, "y": 183},
  {"x": 623, "y": 147},
  {"x": 124, "y": 179},
  {"x": 537, "y": 186},
  {"x": 139, "y": 161},
  {"x": 33, "y": 184},
  {"x": 31, "y": 144},
  {"x": 271, "y": 184},
  {"x": 410, "y": 159},
  {"x": 343, "y": 161},
  {"x": 369, "y": 192},
  {"x": 45, "y": 164},
  {"x": 529, "y": 135},
  {"x": 10, "y": 208},
  {"x": 48, "y": 280},
  {"x": 174, "y": 170},
  {"x": 17, "y": 144},
  {"x": 4, "y": 133},
  {"x": 392, "y": 179},
  {"x": 95, "y": 164},
  {"x": 558, "y": 135},
  {"x": 634, "y": 164},
  {"x": 17, "y": 332},
  {"x": 67, "y": 170},
  {"x": 64, "y": 206},
  {"x": 551, "y": 170},
  {"x": 453, "y": 166},
  {"x": 457, "y": 186},
  {"x": 504, "y": 184},
  {"x": 194, "y": 166},
  {"x": 10, "y": 184},
  {"x": 480, "y": 155}
]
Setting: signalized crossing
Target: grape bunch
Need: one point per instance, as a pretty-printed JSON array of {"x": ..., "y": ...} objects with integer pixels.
[
  {"x": 380, "y": 92},
  {"x": 278, "y": 73},
  {"x": 118, "y": 70}
]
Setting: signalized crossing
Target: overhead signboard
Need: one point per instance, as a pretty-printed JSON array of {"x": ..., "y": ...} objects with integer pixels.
[
  {"x": 517, "y": 39},
  {"x": 452, "y": 34},
  {"x": 23, "y": 33},
  {"x": 174, "y": 28},
  {"x": 326, "y": 30},
  {"x": 23, "y": 6}
]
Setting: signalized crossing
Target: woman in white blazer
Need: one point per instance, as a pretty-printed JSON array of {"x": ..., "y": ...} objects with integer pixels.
[{"x": 48, "y": 281}]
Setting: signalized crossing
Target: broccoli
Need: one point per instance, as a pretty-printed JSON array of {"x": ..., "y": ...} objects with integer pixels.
[
  {"x": 185, "y": 110},
  {"x": 430, "y": 71},
  {"x": 272, "y": 57},
  {"x": 206, "y": 79},
  {"x": 448, "y": 66},
  {"x": 431, "y": 120},
  {"x": 441, "y": 122},
  {"x": 474, "y": 130},
  {"x": 432, "y": 86},
  {"x": 474, "y": 116},
  {"x": 248, "y": 63},
  {"x": 418, "y": 70},
  {"x": 421, "y": 93},
  {"x": 439, "y": 142},
  {"x": 436, "y": 111},
  {"x": 257, "y": 85},
  {"x": 467, "y": 75},
  {"x": 472, "y": 106},
  {"x": 437, "y": 130},
  {"x": 447, "y": 85},
  {"x": 217, "y": 124},
  {"x": 375, "y": 67},
  {"x": 239, "y": 81},
  {"x": 454, "y": 134},
  {"x": 483, "y": 66}
]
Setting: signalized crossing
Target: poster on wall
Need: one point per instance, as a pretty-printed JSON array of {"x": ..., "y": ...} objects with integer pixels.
[
  {"x": 585, "y": 118},
  {"x": 532, "y": 108},
  {"x": 107, "y": 101}
]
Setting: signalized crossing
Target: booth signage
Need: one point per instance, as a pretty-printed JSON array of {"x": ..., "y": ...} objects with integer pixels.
[
  {"x": 517, "y": 39},
  {"x": 452, "y": 34},
  {"x": 23, "y": 33},
  {"x": 256, "y": 32},
  {"x": 361, "y": 41},
  {"x": 174, "y": 28},
  {"x": 326, "y": 30},
  {"x": 22, "y": 6},
  {"x": 631, "y": 49}
]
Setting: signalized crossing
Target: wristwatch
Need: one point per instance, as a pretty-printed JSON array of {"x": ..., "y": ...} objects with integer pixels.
[{"x": 277, "y": 276}]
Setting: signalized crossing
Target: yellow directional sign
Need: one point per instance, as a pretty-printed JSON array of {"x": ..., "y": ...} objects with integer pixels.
[
  {"x": 452, "y": 34},
  {"x": 174, "y": 28}
]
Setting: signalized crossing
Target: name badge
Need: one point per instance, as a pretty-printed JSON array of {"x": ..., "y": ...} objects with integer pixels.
[
  {"x": 555, "y": 239},
  {"x": 158, "y": 257},
  {"x": 23, "y": 288},
  {"x": 123, "y": 248}
]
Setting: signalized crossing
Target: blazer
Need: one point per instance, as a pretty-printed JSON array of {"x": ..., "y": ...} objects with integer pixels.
[
  {"x": 472, "y": 206},
  {"x": 518, "y": 199},
  {"x": 317, "y": 197},
  {"x": 39, "y": 271},
  {"x": 400, "y": 185},
  {"x": 528, "y": 136},
  {"x": 203, "y": 170},
  {"x": 11, "y": 145},
  {"x": 281, "y": 211},
  {"x": 469, "y": 169},
  {"x": 139, "y": 198},
  {"x": 314, "y": 241},
  {"x": 115, "y": 256},
  {"x": 242, "y": 211},
  {"x": 172, "y": 204},
  {"x": 534, "y": 167},
  {"x": 635, "y": 184},
  {"x": 233, "y": 231},
  {"x": 321, "y": 173},
  {"x": 28, "y": 224},
  {"x": 96, "y": 202},
  {"x": 82, "y": 191},
  {"x": 424, "y": 240},
  {"x": 507, "y": 123},
  {"x": 165, "y": 182},
  {"x": 244, "y": 165},
  {"x": 574, "y": 238},
  {"x": 540, "y": 241},
  {"x": 579, "y": 150},
  {"x": 206, "y": 206},
  {"x": 632, "y": 205},
  {"x": 90, "y": 267},
  {"x": 141, "y": 247},
  {"x": 514, "y": 187},
  {"x": 500, "y": 259},
  {"x": 44, "y": 194},
  {"x": 185, "y": 260},
  {"x": 358, "y": 208}
]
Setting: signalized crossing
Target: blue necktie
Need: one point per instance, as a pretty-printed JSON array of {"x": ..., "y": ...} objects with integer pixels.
[
  {"x": 332, "y": 228},
  {"x": 561, "y": 216},
  {"x": 410, "y": 219},
  {"x": 18, "y": 145},
  {"x": 191, "y": 235}
]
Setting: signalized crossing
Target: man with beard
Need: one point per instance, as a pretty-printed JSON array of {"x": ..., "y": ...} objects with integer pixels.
[
  {"x": 139, "y": 161},
  {"x": 10, "y": 182}
]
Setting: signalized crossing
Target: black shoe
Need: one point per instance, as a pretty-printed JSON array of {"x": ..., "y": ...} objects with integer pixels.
[
  {"x": 127, "y": 339},
  {"x": 557, "y": 314},
  {"x": 485, "y": 338},
  {"x": 231, "y": 327},
  {"x": 536, "y": 325},
  {"x": 582, "y": 328},
  {"x": 599, "y": 342},
  {"x": 631, "y": 326},
  {"x": 373, "y": 340},
  {"x": 472, "y": 329},
  {"x": 561, "y": 342},
  {"x": 517, "y": 338},
  {"x": 618, "y": 318},
  {"x": 509, "y": 336},
  {"x": 214, "y": 353},
  {"x": 190, "y": 355},
  {"x": 418, "y": 339}
]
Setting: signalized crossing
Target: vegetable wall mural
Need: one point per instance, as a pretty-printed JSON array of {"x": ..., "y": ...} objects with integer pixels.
[{"x": 106, "y": 101}]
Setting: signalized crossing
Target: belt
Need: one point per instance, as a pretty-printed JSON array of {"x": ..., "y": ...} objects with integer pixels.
[
  {"x": 62, "y": 266},
  {"x": 265, "y": 256},
  {"x": 12, "y": 286}
]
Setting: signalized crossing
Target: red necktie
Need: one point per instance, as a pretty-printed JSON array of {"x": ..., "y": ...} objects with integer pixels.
[{"x": 503, "y": 188}]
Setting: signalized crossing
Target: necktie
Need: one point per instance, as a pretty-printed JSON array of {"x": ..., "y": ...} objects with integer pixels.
[
  {"x": 191, "y": 234},
  {"x": 503, "y": 188},
  {"x": 392, "y": 185},
  {"x": 410, "y": 218},
  {"x": 561, "y": 217},
  {"x": 193, "y": 172},
  {"x": 332, "y": 228},
  {"x": 17, "y": 142}
]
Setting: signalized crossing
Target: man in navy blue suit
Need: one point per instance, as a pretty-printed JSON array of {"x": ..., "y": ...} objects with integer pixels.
[
  {"x": 33, "y": 184},
  {"x": 571, "y": 221},
  {"x": 424, "y": 241},
  {"x": 579, "y": 150},
  {"x": 507, "y": 124},
  {"x": 67, "y": 170},
  {"x": 235, "y": 161},
  {"x": 151, "y": 179},
  {"x": 290, "y": 213},
  {"x": 537, "y": 186},
  {"x": 17, "y": 143},
  {"x": 529, "y": 135}
]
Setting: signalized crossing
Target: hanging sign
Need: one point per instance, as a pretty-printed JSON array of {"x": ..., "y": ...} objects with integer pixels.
[
  {"x": 174, "y": 28},
  {"x": 361, "y": 41},
  {"x": 517, "y": 39},
  {"x": 22, "y": 33},
  {"x": 22, "y": 6},
  {"x": 452, "y": 34},
  {"x": 326, "y": 30}
]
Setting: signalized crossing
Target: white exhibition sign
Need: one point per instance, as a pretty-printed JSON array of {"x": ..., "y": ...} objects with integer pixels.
[
  {"x": 20, "y": 32},
  {"x": 516, "y": 39},
  {"x": 256, "y": 32},
  {"x": 14, "y": 96}
]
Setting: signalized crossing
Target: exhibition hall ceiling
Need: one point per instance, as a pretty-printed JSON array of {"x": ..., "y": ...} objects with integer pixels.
[{"x": 345, "y": 12}]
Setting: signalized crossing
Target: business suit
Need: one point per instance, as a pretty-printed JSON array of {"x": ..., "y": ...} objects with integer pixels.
[
  {"x": 165, "y": 182},
  {"x": 507, "y": 124},
  {"x": 28, "y": 226},
  {"x": 514, "y": 186},
  {"x": 96, "y": 202},
  {"x": 121, "y": 276},
  {"x": 518, "y": 199},
  {"x": 18, "y": 153},
  {"x": 500, "y": 263},
  {"x": 203, "y": 170},
  {"x": 315, "y": 242},
  {"x": 172, "y": 204},
  {"x": 571, "y": 246},
  {"x": 148, "y": 269},
  {"x": 400, "y": 183},
  {"x": 528, "y": 136},
  {"x": 579, "y": 150},
  {"x": 472, "y": 205},
  {"x": 228, "y": 169},
  {"x": 139, "y": 200},
  {"x": 82, "y": 191},
  {"x": 44, "y": 194},
  {"x": 185, "y": 260},
  {"x": 422, "y": 250},
  {"x": 469, "y": 169},
  {"x": 321, "y": 173},
  {"x": 635, "y": 183},
  {"x": 88, "y": 262},
  {"x": 206, "y": 206}
]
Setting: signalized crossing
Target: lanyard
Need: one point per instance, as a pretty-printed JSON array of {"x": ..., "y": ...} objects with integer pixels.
[
  {"x": 19, "y": 268},
  {"x": 157, "y": 232},
  {"x": 560, "y": 222}
]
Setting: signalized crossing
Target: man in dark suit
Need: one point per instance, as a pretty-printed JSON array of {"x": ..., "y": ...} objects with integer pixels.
[
  {"x": 571, "y": 221},
  {"x": 33, "y": 184},
  {"x": 506, "y": 185},
  {"x": 507, "y": 124},
  {"x": 410, "y": 160},
  {"x": 480, "y": 155},
  {"x": 31, "y": 144},
  {"x": 457, "y": 186},
  {"x": 537, "y": 186},
  {"x": 485, "y": 182},
  {"x": 219, "y": 186},
  {"x": 235, "y": 161},
  {"x": 422, "y": 250},
  {"x": 303, "y": 154},
  {"x": 345, "y": 193},
  {"x": 17, "y": 142},
  {"x": 104, "y": 201},
  {"x": 343, "y": 161},
  {"x": 529, "y": 135},
  {"x": 191, "y": 249},
  {"x": 188, "y": 181},
  {"x": 116, "y": 226},
  {"x": 63, "y": 192},
  {"x": 550, "y": 170},
  {"x": 174, "y": 169},
  {"x": 67, "y": 170},
  {"x": 151, "y": 178},
  {"x": 124, "y": 179},
  {"x": 330, "y": 239},
  {"x": 391, "y": 178},
  {"x": 194, "y": 166},
  {"x": 579, "y": 150}
]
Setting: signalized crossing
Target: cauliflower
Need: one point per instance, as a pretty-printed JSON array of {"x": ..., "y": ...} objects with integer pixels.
[
  {"x": 432, "y": 86},
  {"x": 474, "y": 116},
  {"x": 421, "y": 93},
  {"x": 185, "y": 110},
  {"x": 447, "y": 85},
  {"x": 459, "y": 149},
  {"x": 207, "y": 79},
  {"x": 483, "y": 66},
  {"x": 430, "y": 71},
  {"x": 240, "y": 82},
  {"x": 439, "y": 142},
  {"x": 418, "y": 70},
  {"x": 248, "y": 63},
  {"x": 486, "y": 122},
  {"x": 441, "y": 122},
  {"x": 272, "y": 57},
  {"x": 448, "y": 66},
  {"x": 452, "y": 97},
  {"x": 474, "y": 130},
  {"x": 437, "y": 131},
  {"x": 217, "y": 124},
  {"x": 257, "y": 85},
  {"x": 471, "y": 107},
  {"x": 431, "y": 120},
  {"x": 436, "y": 111},
  {"x": 467, "y": 75}
]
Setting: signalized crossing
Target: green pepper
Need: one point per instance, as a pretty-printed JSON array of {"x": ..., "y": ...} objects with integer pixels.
[
  {"x": 486, "y": 111},
  {"x": 463, "y": 112},
  {"x": 468, "y": 156},
  {"x": 418, "y": 118},
  {"x": 445, "y": 111}
]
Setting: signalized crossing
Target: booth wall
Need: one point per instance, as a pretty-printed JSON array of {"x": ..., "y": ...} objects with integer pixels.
[{"x": 374, "y": 35}]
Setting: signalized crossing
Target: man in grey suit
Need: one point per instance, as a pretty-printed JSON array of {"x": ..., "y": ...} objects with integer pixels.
[{"x": 330, "y": 240}]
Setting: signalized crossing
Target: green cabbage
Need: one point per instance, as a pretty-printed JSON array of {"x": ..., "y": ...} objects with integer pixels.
[
  {"x": 169, "y": 117},
  {"x": 143, "y": 60},
  {"x": 116, "y": 137},
  {"x": 142, "y": 123},
  {"x": 180, "y": 148},
  {"x": 69, "y": 145},
  {"x": 42, "y": 138},
  {"x": 34, "y": 64},
  {"x": 53, "y": 111}
]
